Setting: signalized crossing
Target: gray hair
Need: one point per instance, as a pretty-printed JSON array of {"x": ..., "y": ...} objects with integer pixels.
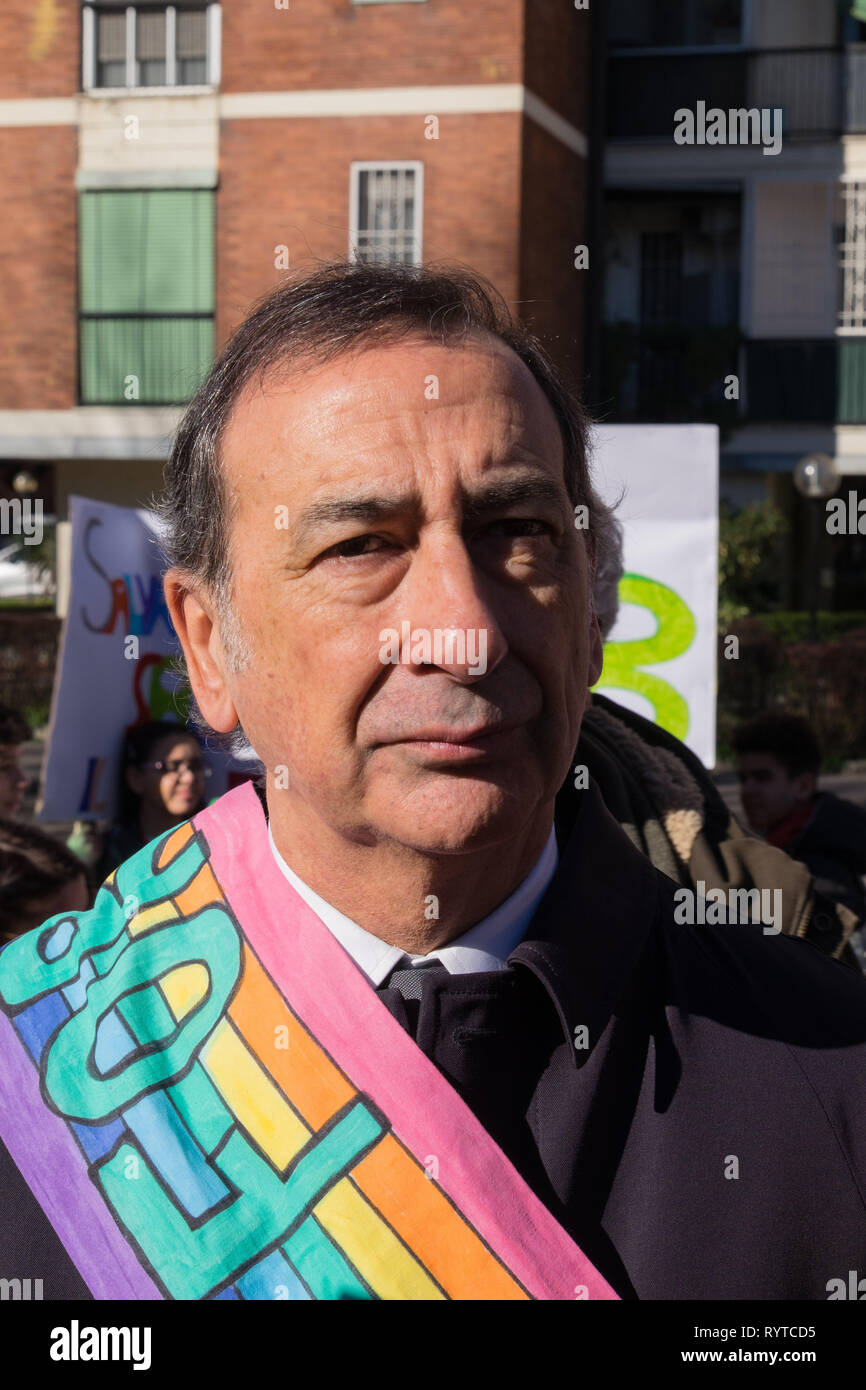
[
  {"x": 608, "y": 571},
  {"x": 314, "y": 319}
]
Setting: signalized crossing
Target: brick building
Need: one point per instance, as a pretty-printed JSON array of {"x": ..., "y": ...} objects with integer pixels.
[{"x": 163, "y": 165}]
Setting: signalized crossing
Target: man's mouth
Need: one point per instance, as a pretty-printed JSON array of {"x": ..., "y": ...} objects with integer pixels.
[{"x": 448, "y": 744}]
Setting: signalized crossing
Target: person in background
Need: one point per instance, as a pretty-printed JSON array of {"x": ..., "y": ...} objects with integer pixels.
[
  {"x": 14, "y": 730},
  {"x": 673, "y": 812},
  {"x": 38, "y": 878},
  {"x": 162, "y": 783},
  {"x": 778, "y": 765}
]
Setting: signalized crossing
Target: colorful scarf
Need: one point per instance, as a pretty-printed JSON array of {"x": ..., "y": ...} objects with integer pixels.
[{"x": 209, "y": 1100}]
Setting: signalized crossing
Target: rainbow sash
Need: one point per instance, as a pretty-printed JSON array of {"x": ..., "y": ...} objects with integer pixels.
[{"x": 209, "y": 1101}]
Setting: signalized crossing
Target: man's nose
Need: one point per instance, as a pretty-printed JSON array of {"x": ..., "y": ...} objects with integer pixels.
[{"x": 452, "y": 623}]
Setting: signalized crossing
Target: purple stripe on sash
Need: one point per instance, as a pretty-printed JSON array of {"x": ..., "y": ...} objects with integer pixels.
[{"x": 42, "y": 1147}]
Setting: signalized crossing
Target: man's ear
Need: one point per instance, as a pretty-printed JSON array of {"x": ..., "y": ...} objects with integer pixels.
[{"x": 196, "y": 623}]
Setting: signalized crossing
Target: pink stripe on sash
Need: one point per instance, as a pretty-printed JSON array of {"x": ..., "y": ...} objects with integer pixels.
[{"x": 322, "y": 984}]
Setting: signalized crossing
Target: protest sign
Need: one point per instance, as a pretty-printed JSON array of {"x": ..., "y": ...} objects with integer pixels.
[
  {"x": 660, "y": 659},
  {"x": 115, "y": 666}
]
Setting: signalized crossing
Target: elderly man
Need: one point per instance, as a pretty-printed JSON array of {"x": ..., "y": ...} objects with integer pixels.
[{"x": 415, "y": 1020}]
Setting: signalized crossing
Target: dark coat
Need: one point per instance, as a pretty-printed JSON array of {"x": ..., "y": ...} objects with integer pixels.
[
  {"x": 705, "y": 1137},
  {"x": 832, "y": 845}
]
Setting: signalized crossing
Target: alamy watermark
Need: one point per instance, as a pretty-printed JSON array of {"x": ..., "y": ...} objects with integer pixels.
[
  {"x": 736, "y": 126},
  {"x": 718, "y": 906},
  {"x": 77, "y": 1343},
  {"x": 450, "y": 646},
  {"x": 22, "y": 518},
  {"x": 846, "y": 518},
  {"x": 20, "y": 1290}
]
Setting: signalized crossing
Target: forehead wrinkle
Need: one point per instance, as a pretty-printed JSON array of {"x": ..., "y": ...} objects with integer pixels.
[{"x": 331, "y": 415}]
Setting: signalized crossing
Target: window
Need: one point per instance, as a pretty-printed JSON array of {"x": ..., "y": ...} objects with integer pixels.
[
  {"x": 661, "y": 278},
  {"x": 853, "y": 259},
  {"x": 150, "y": 45},
  {"x": 386, "y": 213},
  {"x": 146, "y": 292}
]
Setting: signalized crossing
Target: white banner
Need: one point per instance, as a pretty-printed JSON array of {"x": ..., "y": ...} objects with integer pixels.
[
  {"x": 114, "y": 668},
  {"x": 660, "y": 659}
]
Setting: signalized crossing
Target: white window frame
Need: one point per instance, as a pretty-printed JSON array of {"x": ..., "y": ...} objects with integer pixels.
[
  {"x": 359, "y": 166},
  {"x": 852, "y": 259},
  {"x": 213, "y": 25}
]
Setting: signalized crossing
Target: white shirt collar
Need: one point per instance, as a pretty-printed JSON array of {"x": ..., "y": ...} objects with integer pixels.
[{"x": 486, "y": 946}]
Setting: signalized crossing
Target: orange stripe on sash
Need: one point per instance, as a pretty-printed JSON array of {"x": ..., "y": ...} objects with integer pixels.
[
  {"x": 172, "y": 847},
  {"x": 203, "y": 891},
  {"x": 392, "y": 1180},
  {"x": 316, "y": 1088},
  {"x": 438, "y": 1235}
]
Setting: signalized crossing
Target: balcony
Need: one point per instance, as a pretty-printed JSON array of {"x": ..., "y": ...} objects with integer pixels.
[
  {"x": 675, "y": 375},
  {"x": 667, "y": 375},
  {"x": 822, "y": 91},
  {"x": 143, "y": 359},
  {"x": 817, "y": 381}
]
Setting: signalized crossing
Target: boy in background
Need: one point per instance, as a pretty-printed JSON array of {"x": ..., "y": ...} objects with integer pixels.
[{"x": 778, "y": 764}]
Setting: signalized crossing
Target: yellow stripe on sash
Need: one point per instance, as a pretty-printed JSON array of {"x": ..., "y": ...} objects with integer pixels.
[
  {"x": 252, "y": 1096},
  {"x": 391, "y": 1271}
]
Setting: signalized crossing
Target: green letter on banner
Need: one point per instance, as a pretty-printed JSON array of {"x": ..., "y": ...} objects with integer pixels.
[{"x": 673, "y": 636}]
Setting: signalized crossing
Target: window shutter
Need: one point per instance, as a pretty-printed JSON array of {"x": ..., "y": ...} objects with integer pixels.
[{"x": 146, "y": 253}]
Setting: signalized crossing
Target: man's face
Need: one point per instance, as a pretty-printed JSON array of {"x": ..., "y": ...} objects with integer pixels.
[
  {"x": 13, "y": 782},
  {"x": 768, "y": 793},
  {"x": 362, "y": 502}
]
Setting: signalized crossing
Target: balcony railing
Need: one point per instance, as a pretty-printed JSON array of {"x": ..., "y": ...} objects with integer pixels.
[
  {"x": 145, "y": 359},
  {"x": 675, "y": 375},
  {"x": 820, "y": 90},
  {"x": 667, "y": 374},
  {"x": 812, "y": 381}
]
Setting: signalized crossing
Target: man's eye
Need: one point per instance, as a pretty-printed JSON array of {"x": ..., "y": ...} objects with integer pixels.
[
  {"x": 355, "y": 546},
  {"x": 524, "y": 526}
]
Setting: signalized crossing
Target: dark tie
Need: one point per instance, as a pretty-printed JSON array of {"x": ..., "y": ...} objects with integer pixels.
[{"x": 409, "y": 980}]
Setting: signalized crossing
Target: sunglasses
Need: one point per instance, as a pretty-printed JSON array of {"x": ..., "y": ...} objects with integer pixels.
[{"x": 197, "y": 766}]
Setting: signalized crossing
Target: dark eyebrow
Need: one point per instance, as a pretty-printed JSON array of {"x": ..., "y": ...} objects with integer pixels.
[
  {"x": 350, "y": 509},
  {"x": 513, "y": 492},
  {"x": 494, "y": 497}
]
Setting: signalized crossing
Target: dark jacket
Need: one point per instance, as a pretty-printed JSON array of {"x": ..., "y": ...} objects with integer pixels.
[
  {"x": 705, "y": 1137},
  {"x": 832, "y": 845}
]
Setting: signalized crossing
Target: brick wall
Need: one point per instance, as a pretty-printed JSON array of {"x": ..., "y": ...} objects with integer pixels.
[
  {"x": 556, "y": 57},
  {"x": 334, "y": 43},
  {"x": 38, "y": 257},
  {"x": 40, "y": 48},
  {"x": 286, "y": 182}
]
